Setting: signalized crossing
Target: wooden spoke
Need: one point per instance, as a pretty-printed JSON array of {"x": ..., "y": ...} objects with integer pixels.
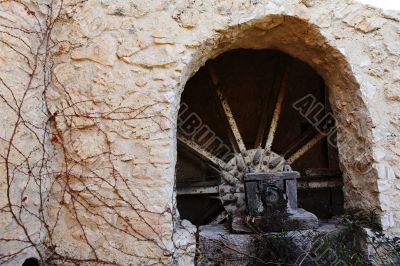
[
  {"x": 271, "y": 95},
  {"x": 277, "y": 112},
  {"x": 219, "y": 218},
  {"x": 198, "y": 190},
  {"x": 306, "y": 147},
  {"x": 300, "y": 141},
  {"x": 224, "y": 107},
  {"x": 202, "y": 153},
  {"x": 232, "y": 122},
  {"x": 211, "y": 212},
  {"x": 262, "y": 127}
]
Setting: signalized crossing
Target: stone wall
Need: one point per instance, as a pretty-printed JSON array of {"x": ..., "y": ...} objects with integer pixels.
[{"x": 89, "y": 168}]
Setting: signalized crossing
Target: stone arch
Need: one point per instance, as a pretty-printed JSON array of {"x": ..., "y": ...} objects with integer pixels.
[{"x": 303, "y": 40}]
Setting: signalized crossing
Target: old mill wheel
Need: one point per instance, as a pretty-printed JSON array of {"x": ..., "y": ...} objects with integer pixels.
[{"x": 239, "y": 115}]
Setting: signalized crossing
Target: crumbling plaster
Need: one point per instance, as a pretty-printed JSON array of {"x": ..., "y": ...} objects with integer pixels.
[{"x": 119, "y": 68}]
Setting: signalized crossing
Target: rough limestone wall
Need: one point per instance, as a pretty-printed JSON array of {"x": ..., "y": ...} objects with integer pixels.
[{"x": 119, "y": 69}]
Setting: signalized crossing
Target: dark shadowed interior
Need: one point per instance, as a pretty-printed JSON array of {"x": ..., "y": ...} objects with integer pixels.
[{"x": 250, "y": 81}]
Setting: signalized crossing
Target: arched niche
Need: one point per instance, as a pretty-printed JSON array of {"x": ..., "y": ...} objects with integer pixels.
[{"x": 304, "y": 41}]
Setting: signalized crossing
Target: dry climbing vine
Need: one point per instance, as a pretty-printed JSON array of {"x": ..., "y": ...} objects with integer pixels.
[
  {"x": 48, "y": 183},
  {"x": 31, "y": 47}
]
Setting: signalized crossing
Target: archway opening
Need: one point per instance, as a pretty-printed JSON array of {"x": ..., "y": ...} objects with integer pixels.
[{"x": 273, "y": 111}]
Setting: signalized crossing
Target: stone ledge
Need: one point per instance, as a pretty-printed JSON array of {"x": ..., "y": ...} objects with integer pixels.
[{"x": 217, "y": 246}]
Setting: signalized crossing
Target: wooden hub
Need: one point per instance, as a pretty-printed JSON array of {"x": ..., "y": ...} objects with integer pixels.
[{"x": 231, "y": 190}]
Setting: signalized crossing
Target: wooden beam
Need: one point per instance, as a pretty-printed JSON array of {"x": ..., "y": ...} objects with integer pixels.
[
  {"x": 322, "y": 172},
  {"x": 198, "y": 190},
  {"x": 305, "y": 183}
]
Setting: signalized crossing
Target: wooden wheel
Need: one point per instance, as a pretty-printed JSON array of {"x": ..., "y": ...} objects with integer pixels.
[{"x": 239, "y": 156}]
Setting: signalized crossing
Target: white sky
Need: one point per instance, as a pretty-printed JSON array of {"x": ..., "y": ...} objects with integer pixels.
[{"x": 385, "y": 4}]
